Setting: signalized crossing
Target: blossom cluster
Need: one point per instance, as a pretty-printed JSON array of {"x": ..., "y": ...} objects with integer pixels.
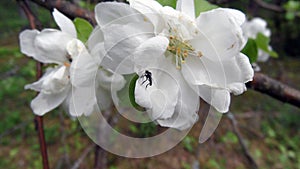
[{"x": 177, "y": 57}]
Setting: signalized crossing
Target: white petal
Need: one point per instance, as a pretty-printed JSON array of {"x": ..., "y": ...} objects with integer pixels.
[
  {"x": 38, "y": 85},
  {"x": 218, "y": 98},
  {"x": 152, "y": 10},
  {"x": 44, "y": 103},
  {"x": 220, "y": 36},
  {"x": 56, "y": 81},
  {"x": 110, "y": 81},
  {"x": 159, "y": 100},
  {"x": 116, "y": 13},
  {"x": 256, "y": 25},
  {"x": 164, "y": 85},
  {"x": 220, "y": 74},
  {"x": 95, "y": 38},
  {"x": 187, "y": 107},
  {"x": 27, "y": 38},
  {"x": 237, "y": 88},
  {"x": 150, "y": 50},
  {"x": 187, "y": 7},
  {"x": 238, "y": 16},
  {"x": 83, "y": 101},
  {"x": 245, "y": 67},
  {"x": 51, "y": 45},
  {"x": 120, "y": 43},
  {"x": 64, "y": 23},
  {"x": 262, "y": 55},
  {"x": 83, "y": 68}
]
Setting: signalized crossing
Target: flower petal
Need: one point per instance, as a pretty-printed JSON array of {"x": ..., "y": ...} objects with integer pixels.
[
  {"x": 51, "y": 45},
  {"x": 27, "y": 45},
  {"x": 110, "y": 81},
  {"x": 109, "y": 13},
  {"x": 150, "y": 50},
  {"x": 64, "y": 23},
  {"x": 160, "y": 98},
  {"x": 83, "y": 68},
  {"x": 218, "y": 98},
  {"x": 151, "y": 9},
  {"x": 57, "y": 81},
  {"x": 220, "y": 35},
  {"x": 219, "y": 74},
  {"x": 38, "y": 85},
  {"x": 44, "y": 103},
  {"x": 186, "y": 109},
  {"x": 120, "y": 43},
  {"x": 82, "y": 101},
  {"x": 95, "y": 38},
  {"x": 187, "y": 7}
]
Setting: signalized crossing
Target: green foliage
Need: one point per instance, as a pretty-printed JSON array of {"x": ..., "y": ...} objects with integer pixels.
[
  {"x": 251, "y": 50},
  {"x": 212, "y": 163},
  {"x": 171, "y": 3},
  {"x": 144, "y": 129},
  {"x": 229, "y": 137},
  {"x": 292, "y": 8},
  {"x": 260, "y": 43},
  {"x": 263, "y": 43},
  {"x": 84, "y": 29},
  {"x": 188, "y": 143},
  {"x": 186, "y": 165},
  {"x": 131, "y": 93},
  {"x": 202, "y": 6}
]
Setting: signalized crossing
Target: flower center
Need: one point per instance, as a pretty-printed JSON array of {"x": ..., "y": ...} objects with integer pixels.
[{"x": 181, "y": 50}]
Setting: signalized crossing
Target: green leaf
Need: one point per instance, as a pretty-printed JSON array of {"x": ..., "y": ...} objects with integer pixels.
[
  {"x": 131, "y": 94},
  {"x": 251, "y": 50},
  {"x": 83, "y": 28},
  {"x": 202, "y": 6},
  {"x": 262, "y": 43},
  {"x": 171, "y": 3}
]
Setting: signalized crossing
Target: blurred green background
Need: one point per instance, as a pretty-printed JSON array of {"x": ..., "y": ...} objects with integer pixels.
[{"x": 270, "y": 128}]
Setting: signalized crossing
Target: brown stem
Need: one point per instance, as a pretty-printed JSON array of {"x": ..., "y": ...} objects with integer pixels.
[
  {"x": 268, "y": 6},
  {"x": 236, "y": 131},
  {"x": 275, "y": 89},
  {"x": 100, "y": 158},
  {"x": 35, "y": 24},
  {"x": 69, "y": 9}
]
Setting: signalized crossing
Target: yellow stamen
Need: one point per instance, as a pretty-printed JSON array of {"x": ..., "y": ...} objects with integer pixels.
[{"x": 67, "y": 64}]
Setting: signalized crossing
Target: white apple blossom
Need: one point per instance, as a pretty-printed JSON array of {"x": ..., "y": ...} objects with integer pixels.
[
  {"x": 71, "y": 76},
  {"x": 187, "y": 57},
  {"x": 251, "y": 28}
]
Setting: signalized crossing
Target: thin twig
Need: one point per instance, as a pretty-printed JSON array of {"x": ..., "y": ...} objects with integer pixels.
[
  {"x": 35, "y": 24},
  {"x": 241, "y": 140},
  {"x": 82, "y": 157}
]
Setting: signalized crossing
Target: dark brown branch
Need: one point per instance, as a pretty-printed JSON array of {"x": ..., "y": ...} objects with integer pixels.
[
  {"x": 275, "y": 89},
  {"x": 241, "y": 141},
  {"x": 35, "y": 24},
  {"x": 268, "y": 6},
  {"x": 69, "y": 9}
]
